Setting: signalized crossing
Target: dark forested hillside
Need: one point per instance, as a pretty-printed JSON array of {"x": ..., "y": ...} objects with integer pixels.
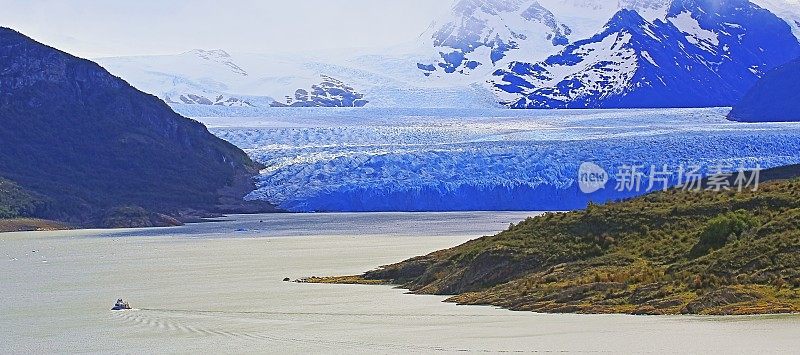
[
  {"x": 774, "y": 98},
  {"x": 87, "y": 142}
]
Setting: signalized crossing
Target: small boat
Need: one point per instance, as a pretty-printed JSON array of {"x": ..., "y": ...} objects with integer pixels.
[{"x": 120, "y": 305}]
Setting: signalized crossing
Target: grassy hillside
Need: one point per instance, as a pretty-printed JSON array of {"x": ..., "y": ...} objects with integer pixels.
[{"x": 664, "y": 253}]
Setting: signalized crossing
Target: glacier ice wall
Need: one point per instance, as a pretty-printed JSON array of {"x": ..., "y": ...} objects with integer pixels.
[{"x": 456, "y": 160}]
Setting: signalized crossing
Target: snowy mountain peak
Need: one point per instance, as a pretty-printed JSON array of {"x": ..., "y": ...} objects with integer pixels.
[
  {"x": 212, "y": 53},
  {"x": 592, "y": 69},
  {"x": 219, "y": 56},
  {"x": 649, "y": 9},
  {"x": 494, "y": 7},
  {"x": 479, "y": 34},
  {"x": 644, "y": 4},
  {"x": 721, "y": 46},
  {"x": 519, "y": 53},
  {"x": 625, "y": 18},
  {"x": 536, "y": 12}
]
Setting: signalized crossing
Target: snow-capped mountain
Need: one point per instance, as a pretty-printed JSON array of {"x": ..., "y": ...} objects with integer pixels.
[
  {"x": 217, "y": 78},
  {"x": 198, "y": 78},
  {"x": 481, "y": 35},
  {"x": 221, "y": 57},
  {"x": 517, "y": 53},
  {"x": 483, "y": 32},
  {"x": 704, "y": 53}
]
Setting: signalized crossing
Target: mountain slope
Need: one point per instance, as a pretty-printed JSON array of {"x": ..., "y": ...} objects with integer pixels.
[
  {"x": 774, "y": 98},
  {"x": 722, "y": 47},
  {"x": 789, "y": 10},
  {"x": 516, "y": 53},
  {"x": 196, "y": 77},
  {"x": 89, "y": 142},
  {"x": 192, "y": 84},
  {"x": 482, "y": 32},
  {"x": 665, "y": 253},
  {"x": 478, "y": 36},
  {"x": 15, "y": 201}
]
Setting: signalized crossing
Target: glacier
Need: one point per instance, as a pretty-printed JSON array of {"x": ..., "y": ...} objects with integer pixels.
[{"x": 371, "y": 159}]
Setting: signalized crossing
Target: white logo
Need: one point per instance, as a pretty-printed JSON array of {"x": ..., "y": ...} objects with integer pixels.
[{"x": 591, "y": 178}]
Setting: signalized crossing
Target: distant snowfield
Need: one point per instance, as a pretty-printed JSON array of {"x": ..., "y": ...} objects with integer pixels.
[{"x": 325, "y": 159}]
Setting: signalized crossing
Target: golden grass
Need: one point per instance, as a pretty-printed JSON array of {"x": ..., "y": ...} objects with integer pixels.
[{"x": 31, "y": 224}]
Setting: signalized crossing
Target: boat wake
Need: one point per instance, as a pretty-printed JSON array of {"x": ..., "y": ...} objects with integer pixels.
[
  {"x": 334, "y": 314},
  {"x": 203, "y": 323}
]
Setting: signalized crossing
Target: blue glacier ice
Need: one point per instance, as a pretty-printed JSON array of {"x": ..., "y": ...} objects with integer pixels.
[{"x": 451, "y": 160}]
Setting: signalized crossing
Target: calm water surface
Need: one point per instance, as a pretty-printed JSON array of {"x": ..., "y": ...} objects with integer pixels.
[{"x": 216, "y": 287}]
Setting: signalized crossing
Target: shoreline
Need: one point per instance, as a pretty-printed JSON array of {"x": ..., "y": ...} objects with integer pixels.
[
  {"x": 754, "y": 308},
  {"x": 11, "y": 225}
]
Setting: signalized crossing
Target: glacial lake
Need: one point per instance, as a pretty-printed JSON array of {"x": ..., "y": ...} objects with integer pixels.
[{"x": 217, "y": 287}]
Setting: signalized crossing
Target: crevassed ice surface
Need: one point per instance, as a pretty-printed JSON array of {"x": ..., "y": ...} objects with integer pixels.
[{"x": 450, "y": 159}]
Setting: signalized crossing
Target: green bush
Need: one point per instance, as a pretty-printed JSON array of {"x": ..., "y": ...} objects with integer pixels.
[
  {"x": 720, "y": 229},
  {"x": 6, "y": 212}
]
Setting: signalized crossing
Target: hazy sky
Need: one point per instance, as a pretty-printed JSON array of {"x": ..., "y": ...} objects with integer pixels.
[{"x": 92, "y": 28}]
